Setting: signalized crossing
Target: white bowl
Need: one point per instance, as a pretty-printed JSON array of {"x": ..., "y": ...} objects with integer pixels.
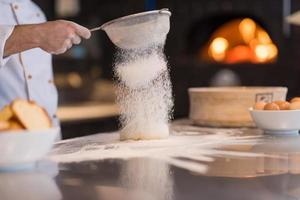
[
  {"x": 277, "y": 122},
  {"x": 25, "y": 147}
]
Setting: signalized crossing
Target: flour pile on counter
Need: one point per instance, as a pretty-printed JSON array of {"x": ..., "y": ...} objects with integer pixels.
[
  {"x": 143, "y": 93},
  {"x": 197, "y": 150}
]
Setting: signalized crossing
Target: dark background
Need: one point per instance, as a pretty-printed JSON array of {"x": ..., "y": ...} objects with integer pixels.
[{"x": 192, "y": 23}]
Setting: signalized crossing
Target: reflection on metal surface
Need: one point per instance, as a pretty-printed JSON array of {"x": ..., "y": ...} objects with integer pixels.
[
  {"x": 150, "y": 176},
  {"x": 115, "y": 192},
  {"x": 132, "y": 180},
  {"x": 269, "y": 155},
  {"x": 29, "y": 186},
  {"x": 194, "y": 163},
  {"x": 205, "y": 151},
  {"x": 32, "y": 181}
]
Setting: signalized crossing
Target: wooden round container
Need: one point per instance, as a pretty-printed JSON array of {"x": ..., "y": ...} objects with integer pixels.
[{"x": 228, "y": 106}]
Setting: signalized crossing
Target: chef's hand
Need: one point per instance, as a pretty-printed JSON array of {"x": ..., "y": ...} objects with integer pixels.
[{"x": 56, "y": 37}]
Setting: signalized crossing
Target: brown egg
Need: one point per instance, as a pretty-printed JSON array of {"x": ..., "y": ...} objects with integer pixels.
[
  {"x": 283, "y": 105},
  {"x": 295, "y": 99},
  {"x": 295, "y": 105},
  {"x": 271, "y": 106},
  {"x": 259, "y": 105}
]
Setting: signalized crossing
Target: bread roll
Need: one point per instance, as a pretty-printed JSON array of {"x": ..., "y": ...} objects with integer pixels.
[
  {"x": 15, "y": 125},
  {"x": 4, "y": 125},
  {"x": 6, "y": 113},
  {"x": 30, "y": 115}
]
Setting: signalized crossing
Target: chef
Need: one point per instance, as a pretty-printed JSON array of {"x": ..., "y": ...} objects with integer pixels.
[{"x": 26, "y": 45}]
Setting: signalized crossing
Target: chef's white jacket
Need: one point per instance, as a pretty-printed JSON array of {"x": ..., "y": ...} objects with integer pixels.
[{"x": 28, "y": 74}]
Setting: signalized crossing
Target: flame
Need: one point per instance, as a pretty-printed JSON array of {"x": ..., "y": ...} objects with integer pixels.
[
  {"x": 273, "y": 51},
  {"x": 261, "y": 52},
  {"x": 218, "y": 48},
  {"x": 265, "y": 52},
  {"x": 242, "y": 40},
  {"x": 263, "y": 37},
  {"x": 247, "y": 28}
]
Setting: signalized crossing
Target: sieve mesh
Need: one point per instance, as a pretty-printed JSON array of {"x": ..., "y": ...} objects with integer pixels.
[{"x": 139, "y": 30}]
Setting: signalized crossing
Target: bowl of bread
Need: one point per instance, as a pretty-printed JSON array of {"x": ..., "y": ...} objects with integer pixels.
[
  {"x": 26, "y": 133},
  {"x": 277, "y": 117}
]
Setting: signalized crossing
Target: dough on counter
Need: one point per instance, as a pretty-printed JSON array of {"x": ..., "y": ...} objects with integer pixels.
[{"x": 159, "y": 132}]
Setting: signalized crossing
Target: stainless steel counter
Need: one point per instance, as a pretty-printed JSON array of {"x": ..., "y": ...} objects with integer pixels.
[{"x": 194, "y": 163}]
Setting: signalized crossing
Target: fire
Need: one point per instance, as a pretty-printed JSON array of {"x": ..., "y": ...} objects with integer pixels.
[
  {"x": 265, "y": 52},
  {"x": 273, "y": 51},
  {"x": 247, "y": 28},
  {"x": 218, "y": 47},
  {"x": 242, "y": 40},
  {"x": 263, "y": 37},
  {"x": 261, "y": 52}
]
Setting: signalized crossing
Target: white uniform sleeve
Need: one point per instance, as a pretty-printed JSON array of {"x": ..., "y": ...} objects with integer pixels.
[{"x": 5, "y": 32}]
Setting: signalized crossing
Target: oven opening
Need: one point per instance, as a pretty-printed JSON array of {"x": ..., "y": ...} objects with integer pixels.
[{"x": 233, "y": 41}]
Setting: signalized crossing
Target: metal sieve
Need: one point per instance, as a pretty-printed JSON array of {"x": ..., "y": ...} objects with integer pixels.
[{"x": 138, "y": 30}]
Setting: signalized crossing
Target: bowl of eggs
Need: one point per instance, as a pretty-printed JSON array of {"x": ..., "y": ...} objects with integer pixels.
[
  {"x": 278, "y": 117},
  {"x": 228, "y": 106}
]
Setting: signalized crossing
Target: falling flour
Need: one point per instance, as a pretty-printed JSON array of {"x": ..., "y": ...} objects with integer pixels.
[
  {"x": 140, "y": 72},
  {"x": 144, "y": 93}
]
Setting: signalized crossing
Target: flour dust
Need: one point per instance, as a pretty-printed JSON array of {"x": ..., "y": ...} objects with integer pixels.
[{"x": 144, "y": 93}]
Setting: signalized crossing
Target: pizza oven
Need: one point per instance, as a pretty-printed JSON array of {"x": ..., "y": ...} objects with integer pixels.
[{"x": 232, "y": 43}]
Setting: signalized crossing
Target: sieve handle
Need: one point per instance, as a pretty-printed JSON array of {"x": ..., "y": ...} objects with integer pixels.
[{"x": 96, "y": 29}]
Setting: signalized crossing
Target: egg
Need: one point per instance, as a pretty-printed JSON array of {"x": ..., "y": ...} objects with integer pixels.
[
  {"x": 295, "y": 99},
  {"x": 259, "y": 105},
  {"x": 271, "y": 106},
  {"x": 283, "y": 105},
  {"x": 295, "y": 105}
]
